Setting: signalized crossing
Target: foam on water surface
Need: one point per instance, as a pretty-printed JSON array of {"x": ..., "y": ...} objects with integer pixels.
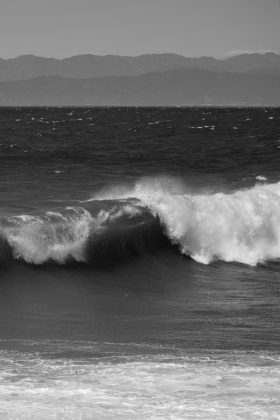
[{"x": 175, "y": 385}]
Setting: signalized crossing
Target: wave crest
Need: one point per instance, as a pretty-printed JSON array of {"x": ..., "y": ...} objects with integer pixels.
[
  {"x": 113, "y": 235},
  {"x": 241, "y": 226},
  {"x": 54, "y": 236}
]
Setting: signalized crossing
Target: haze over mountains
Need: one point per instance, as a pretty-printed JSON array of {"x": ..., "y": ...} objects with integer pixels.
[{"x": 152, "y": 79}]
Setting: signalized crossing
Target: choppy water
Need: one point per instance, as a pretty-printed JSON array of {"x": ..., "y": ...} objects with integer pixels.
[{"x": 139, "y": 270}]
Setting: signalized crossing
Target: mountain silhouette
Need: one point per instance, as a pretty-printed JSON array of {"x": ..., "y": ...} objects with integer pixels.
[
  {"x": 88, "y": 66},
  {"x": 190, "y": 87}
]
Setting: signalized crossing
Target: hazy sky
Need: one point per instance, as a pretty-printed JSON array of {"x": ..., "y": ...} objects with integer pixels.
[{"x": 61, "y": 28}]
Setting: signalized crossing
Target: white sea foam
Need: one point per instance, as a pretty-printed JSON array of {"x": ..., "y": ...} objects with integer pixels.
[
  {"x": 242, "y": 226},
  {"x": 261, "y": 178},
  {"x": 211, "y": 386},
  {"x": 52, "y": 237}
]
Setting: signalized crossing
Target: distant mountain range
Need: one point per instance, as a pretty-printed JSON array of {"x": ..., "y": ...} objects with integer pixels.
[
  {"x": 87, "y": 66},
  {"x": 155, "y": 79},
  {"x": 174, "y": 87}
]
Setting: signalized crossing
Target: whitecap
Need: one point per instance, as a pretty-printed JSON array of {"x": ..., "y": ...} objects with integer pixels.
[
  {"x": 242, "y": 226},
  {"x": 261, "y": 178}
]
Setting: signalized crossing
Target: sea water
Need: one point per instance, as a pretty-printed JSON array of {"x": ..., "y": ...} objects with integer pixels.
[{"x": 139, "y": 263}]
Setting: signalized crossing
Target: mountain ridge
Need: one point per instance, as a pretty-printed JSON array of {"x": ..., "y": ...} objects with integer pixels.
[
  {"x": 177, "y": 87},
  {"x": 85, "y": 66}
]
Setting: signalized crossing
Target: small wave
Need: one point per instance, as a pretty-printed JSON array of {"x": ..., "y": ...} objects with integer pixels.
[{"x": 261, "y": 178}]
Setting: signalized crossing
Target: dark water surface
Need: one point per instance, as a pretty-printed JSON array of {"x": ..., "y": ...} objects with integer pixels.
[
  {"x": 139, "y": 263},
  {"x": 60, "y": 155}
]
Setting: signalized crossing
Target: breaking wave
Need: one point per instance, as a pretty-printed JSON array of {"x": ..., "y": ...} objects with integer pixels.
[
  {"x": 75, "y": 235},
  {"x": 241, "y": 226}
]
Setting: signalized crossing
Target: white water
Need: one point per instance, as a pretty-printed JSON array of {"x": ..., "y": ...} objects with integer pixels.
[
  {"x": 243, "y": 226},
  {"x": 55, "y": 236},
  {"x": 233, "y": 385},
  {"x": 51, "y": 237}
]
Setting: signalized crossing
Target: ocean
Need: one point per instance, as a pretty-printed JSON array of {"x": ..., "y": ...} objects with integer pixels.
[{"x": 139, "y": 263}]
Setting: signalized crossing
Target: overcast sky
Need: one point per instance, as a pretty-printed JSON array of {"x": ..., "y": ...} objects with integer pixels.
[{"x": 61, "y": 28}]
